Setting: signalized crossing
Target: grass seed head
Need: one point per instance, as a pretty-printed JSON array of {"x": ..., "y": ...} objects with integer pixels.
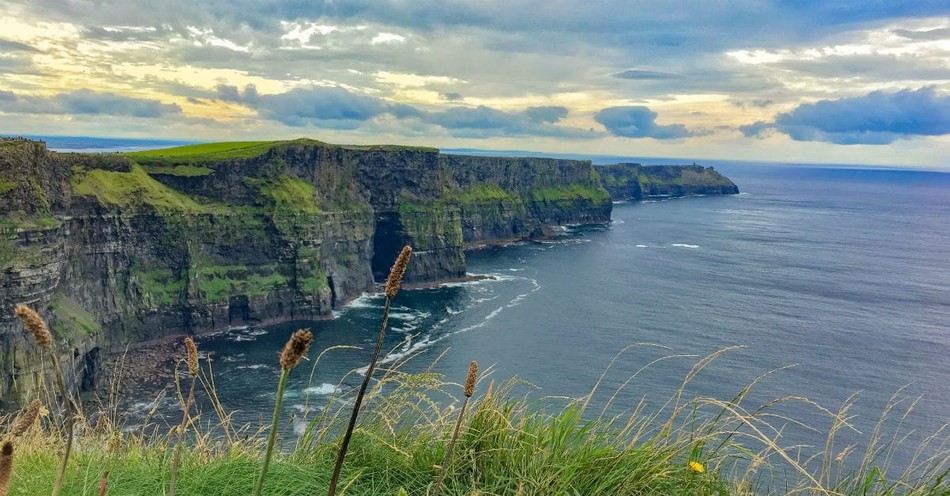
[
  {"x": 470, "y": 379},
  {"x": 192, "y": 357},
  {"x": 25, "y": 419},
  {"x": 35, "y": 325},
  {"x": 6, "y": 466},
  {"x": 396, "y": 273},
  {"x": 295, "y": 349}
]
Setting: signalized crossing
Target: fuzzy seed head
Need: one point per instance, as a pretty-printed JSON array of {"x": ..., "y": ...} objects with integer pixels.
[
  {"x": 192, "y": 356},
  {"x": 6, "y": 466},
  {"x": 25, "y": 419},
  {"x": 295, "y": 348},
  {"x": 35, "y": 325},
  {"x": 470, "y": 379},
  {"x": 396, "y": 273}
]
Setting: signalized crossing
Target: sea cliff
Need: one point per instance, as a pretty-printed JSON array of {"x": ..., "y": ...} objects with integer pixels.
[
  {"x": 118, "y": 249},
  {"x": 635, "y": 182}
]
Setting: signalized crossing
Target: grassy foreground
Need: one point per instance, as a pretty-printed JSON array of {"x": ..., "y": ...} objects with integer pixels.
[{"x": 507, "y": 445}]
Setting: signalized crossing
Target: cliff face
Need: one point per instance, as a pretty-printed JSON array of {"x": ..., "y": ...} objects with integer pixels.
[
  {"x": 635, "y": 182},
  {"x": 121, "y": 249}
]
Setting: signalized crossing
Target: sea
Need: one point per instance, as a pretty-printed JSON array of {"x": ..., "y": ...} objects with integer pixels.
[{"x": 829, "y": 283}]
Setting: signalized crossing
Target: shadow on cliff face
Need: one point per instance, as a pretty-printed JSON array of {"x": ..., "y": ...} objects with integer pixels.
[{"x": 388, "y": 239}]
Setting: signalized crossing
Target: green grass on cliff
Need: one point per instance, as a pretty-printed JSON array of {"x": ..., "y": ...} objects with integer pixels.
[
  {"x": 6, "y": 185},
  {"x": 289, "y": 194},
  {"x": 132, "y": 189},
  {"x": 209, "y": 151},
  {"x": 573, "y": 191}
]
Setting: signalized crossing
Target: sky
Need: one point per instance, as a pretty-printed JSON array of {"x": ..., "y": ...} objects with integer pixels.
[{"x": 831, "y": 81}]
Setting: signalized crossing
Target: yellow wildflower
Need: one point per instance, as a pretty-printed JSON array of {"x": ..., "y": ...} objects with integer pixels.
[{"x": 697, "y": 467}]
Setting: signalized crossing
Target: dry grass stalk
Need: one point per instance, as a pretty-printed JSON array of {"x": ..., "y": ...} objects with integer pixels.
[
  {"x": 470, "y": 379},
  {"x": 392, "y": 287},
  {"x": 191, "y": 358},
  {"x": 104, "y": 484},
  {"x": 35, "y": 325},
  {"x": 397, "y": 271},
  {"x": 25, "y": 419},
  {"x": 295, "y": 349},
  {"x": 6, "y": 467}
]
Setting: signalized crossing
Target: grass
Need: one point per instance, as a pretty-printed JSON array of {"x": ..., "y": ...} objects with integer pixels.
[
  {"x": 208, "y": 151},
  {"x": 6, "y": 185},
  {"x": 73, "y": 317},
  {"x": 573, "y": 191},
  {"x": 507, "y": 445},
  {"x": 289, "y": 194},
  {"x": 133, "y": 189}
]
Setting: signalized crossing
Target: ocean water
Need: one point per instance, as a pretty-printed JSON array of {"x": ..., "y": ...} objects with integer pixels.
[{"x": 838, "y": 277}]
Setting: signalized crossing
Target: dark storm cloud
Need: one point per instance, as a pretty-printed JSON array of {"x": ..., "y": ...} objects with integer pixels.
[
  {"x": 638, "y": 122},
  {"x": 874, "y": 119}
]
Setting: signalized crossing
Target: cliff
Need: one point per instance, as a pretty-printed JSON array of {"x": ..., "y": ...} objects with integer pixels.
[
  {"x": 635, "y": 182},
  {"x": 117, "y": 249}
]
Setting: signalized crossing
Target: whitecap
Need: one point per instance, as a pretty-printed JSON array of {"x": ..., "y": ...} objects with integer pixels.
[
  {"x": 683, "y": 245},
  {"x": 494, "y": 313},
  {"x": 322, "y": 389}
]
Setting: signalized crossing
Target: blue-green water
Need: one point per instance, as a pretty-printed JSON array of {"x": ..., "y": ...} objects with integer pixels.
[{"x": 843, "y": 274}]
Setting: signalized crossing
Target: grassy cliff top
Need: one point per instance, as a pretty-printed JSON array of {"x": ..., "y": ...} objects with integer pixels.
[{"x": 210, "y": 152}]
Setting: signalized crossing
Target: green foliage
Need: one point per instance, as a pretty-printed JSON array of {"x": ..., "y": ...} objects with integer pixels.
[
  {"x": 482, "y": 193},
  {"x": 6, "y": 185},
  {"x": 133, "y": 189},
  {"x": 160, "y": 286},
  {"x": 217, "y": 283},
  {"x": 73, "y": 317},
  {"x": 288, "y": 194},
  {"x": 572, "y": 191},
  {"x": 310, "y": 274}
]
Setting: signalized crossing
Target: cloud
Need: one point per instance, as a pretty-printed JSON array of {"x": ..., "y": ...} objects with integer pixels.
[
  {"x": 545, "y": 114},
  {"x": 927, "y": 34},
  {"x": 328, "y": 107},
  {"x": 452, "y": 97},
  {"x": 486, "y": 122},
  {"x": 875, "y": 119},
  {"x": 638, "y": 122},
  {"x": 645, "y": 75},
  {"x": 87, "y": 102},
  {"x": 339, "y": 108},
  {"x": 15, "y": 46},
  {"x": 229, "y": 93}
]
